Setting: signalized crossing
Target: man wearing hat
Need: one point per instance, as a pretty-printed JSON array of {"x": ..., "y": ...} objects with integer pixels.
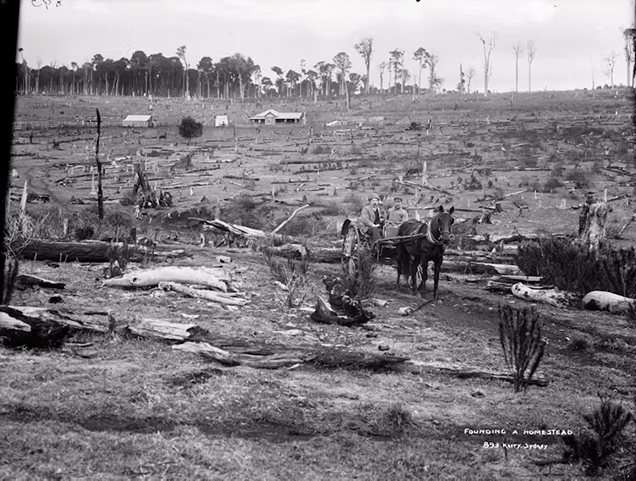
[
  {"x": 397, "y": 213},
  {"x": 371, "y": 218}
]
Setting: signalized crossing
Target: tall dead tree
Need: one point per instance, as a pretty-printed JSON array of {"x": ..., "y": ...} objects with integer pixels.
[
  {"x": 610, "y": 63},
  {"x": 365, "y": 49},
  {"x": 531, "y": 52},
  {"x": 518, "y": 50},
  {"x": 100, "y": 192},
  {"x": 489, "y": 46},
  {"x": 629, "y": 34}
]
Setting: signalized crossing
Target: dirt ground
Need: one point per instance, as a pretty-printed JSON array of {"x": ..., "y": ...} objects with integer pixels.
[{"x": 128, "y": 407}]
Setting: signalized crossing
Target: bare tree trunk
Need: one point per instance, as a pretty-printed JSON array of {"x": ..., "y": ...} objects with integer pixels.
[{"x": 100, "y": 192}]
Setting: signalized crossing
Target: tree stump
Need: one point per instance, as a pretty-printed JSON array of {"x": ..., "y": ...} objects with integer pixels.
[{"x": 592, "y": 223}]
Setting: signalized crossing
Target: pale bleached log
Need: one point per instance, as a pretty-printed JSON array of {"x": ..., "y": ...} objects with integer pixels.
[
  {"x": 553, "y": 297},
  {"x": 203, "y": 294},
  {"x": 154, "y": 328},
  {"x": 207, "y": 351},
  {"x": 9, "y": 323},
  {"x": 238, "y": 230},
  {"x": 607, "y": 301},
  {"x": 203, "y": 276},
  {"x": 284, "y": 223}
]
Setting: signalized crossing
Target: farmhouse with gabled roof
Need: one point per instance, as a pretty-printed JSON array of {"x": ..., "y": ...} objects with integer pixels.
[{"x": 272, "y": 117}]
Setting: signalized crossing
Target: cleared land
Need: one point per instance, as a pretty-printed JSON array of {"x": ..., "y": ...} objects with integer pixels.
[{"x": 127, "y": 406}]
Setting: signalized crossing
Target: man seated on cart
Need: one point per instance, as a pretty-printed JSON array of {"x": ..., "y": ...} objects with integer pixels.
[
  {"x": 371, "y": 219},
  {"x": 397, "y": 215}
]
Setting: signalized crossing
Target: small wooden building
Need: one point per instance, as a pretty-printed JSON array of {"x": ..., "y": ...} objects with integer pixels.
[
  {"x": 138, "y": 121},
  {"x": 272, "y": 117}
]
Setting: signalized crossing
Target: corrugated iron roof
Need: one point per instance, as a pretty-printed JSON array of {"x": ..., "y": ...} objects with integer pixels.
[{"x": 138, "y": 118}]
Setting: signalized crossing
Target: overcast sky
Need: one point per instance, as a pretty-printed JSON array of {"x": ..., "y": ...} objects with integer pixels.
[{"x": 571, "y": 37}]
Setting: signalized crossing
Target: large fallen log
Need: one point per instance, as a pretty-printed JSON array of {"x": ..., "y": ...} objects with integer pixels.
[
  {"x": 202, "y": 276},
  {"x": 463, "y": 372},
  {"x": 26, "y": 280},
  {"x": 85, "y": 251},
  {"x": 554, "y": 297},
  {"x": 219, "y": 226},
  {"x": 607, "y": 301},
  {"x": 20, "y": 330},
  {"x": 203, "y": 294},
  {"x": 154, "y": 328},
  {"x": 481, "y": 268}
]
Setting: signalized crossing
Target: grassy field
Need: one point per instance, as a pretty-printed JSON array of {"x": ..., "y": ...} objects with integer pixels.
[{"x": 128, "y": 407}]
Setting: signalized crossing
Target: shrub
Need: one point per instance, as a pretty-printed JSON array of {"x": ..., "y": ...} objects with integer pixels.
[
  {"x": 355, "y": 201},
  {"x": 572, "y": 267},
  {"x": 579, "y": 177},
  {"x": 333, "y": 208},
  {"x": 190, "y": 128},
  {"x": 551, "y": 185},
  {"x": 523, "y": 347},
  {"x": 594, "y": 449}
]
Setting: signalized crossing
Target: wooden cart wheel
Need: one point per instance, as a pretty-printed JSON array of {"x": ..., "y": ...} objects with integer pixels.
[{"x": 350, "y": 245}]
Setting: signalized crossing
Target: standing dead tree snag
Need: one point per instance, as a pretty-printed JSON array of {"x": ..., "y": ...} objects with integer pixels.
[
  {"x": 100, "y": 192},
  {"x": 531, "y": 52},
  {"x": 489, "y": 46},
  {"x": 365, "y": 49},
  {"x": 518, "y": 50}
]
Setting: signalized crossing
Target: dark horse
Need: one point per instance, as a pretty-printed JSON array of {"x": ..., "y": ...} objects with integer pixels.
[{"x": 429, "y": 247}]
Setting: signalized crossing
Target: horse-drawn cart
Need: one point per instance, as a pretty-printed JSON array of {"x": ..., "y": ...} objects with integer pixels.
[{"x": 411, "y": 246}]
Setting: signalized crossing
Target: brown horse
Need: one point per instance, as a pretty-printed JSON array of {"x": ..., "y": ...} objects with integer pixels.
[{"x": 420, "y": 251}]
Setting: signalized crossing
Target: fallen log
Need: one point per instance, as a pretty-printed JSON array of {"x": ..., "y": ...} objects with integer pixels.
[
  {"x": 26, "y": 280},
  {"x": 203, "y": 276},
  {"x": 203, "y": 294},
  {"x": 284, "y": 223},
  {"x": 462, "y": 372},
  {"x": 21, "y": 330},
  {"x": 481, "y": 268},
  {"x": 291, "y": 251},
  {"x": 154, "y": 328},
  {"x": 607, "y": 301},
  {"x": 554, "y": 297},
  {"x": 85, "y": 251},
  {"x": 283, "y": 356},
  {"x": 224, "y": 227}
]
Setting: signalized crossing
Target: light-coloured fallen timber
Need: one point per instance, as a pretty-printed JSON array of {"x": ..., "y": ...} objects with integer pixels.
[
  {"x": 284, "y": 223},
  {"x": 554, "y": 297},
  {"x": 607, "y": 301},
  {"x": 203, "y": 276},
  {"x": 481, "y": 268},
  {"x": 158, "y": 329},
  {"x": 631, "y": 219},
  {"x": 203, "y": 294},
  {"x": 207, "y": 351},
  {"x": 418, "y": 367},
  {"x": 238, "y": 230}
]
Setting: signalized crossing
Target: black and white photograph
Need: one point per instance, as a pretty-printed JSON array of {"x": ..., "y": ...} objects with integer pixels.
[{"x": 318, "y": 240}]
